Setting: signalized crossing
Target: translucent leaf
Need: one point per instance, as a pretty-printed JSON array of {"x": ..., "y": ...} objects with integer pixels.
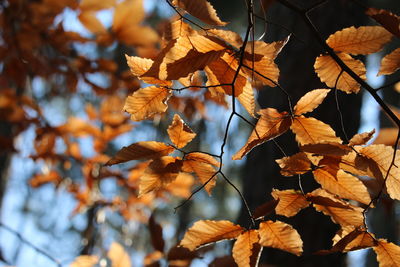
[
  {"x": 354, "y": 239},
  {"x": 118, "y": 256},
  {"x": 85, "y": 261},
  {"x": 281, "y": 236},
  {"x": 388, "y": 254},
  {"x": 361, "y": 138},
  {"x": 312, "y": 131},
  {"x": 181, "y": 186},
  {"x": 141, "y": 151},
  {"x": 200, "y": 9},
  {"x": 202, "y": 157},
  {"x": 290, "y": 202},
  {"x": 327, "y": 149},
  {"x": 244, "y": 247},
  {"x": 231, "y": 38},
  {"x": 386, "y": 136},
  {"x": 295, "y": 164},
  {"x": 246, "y": 98},
  {"x": 363, "y": 40},
  {"x": 387, "y": 19},
  {"x": 206, "y": 232},
  {"x": 146, "y": 102},
  {"x": 140, "y": 66},
  {"x": 310, "y": 101},
  {"x": 179, "y": 132},
  {"x": 390, "y": 63},
  {"x": 204, "y": 171},
  {"x": 271, "y": 124},
  {"x": 328, "y": 71}
]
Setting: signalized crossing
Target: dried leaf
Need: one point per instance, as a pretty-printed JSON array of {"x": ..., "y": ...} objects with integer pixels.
[
  {"x": 386, "y": 136},
  {"x": 271, "y": 124},
  {"x": 327, "y": 149},
  {"x": 281, "y": 236},
  {"x": 328, "y": 71},
  {"x": 141, "y": 151},
  {"x": 179, "y": 132},
  {"x": 265, "y": 209},
  {"x": 146, "y": 102},
  {"x": 118, "y": 256},
  {"x": 290, "y": 202},
  {"x": 295, "y": 164},
  {"x": 202, "y": 157},
  {"x": 246, "y": 98},
  {"x": 242, "y": 250},
  {"x": 156, "y": 234},
  {"x": 91, "y": 22},
  {"x": 387, "y": 19},
  {"x": 388, "y": 254},
  {"x": 200, "y": 9},
  {"x": 206, "y": 232},
  {"x": 363, "y": 40},
  {"x": 390, "y": 63},
  {"x": 85, "y": 261},
  {"x": 310, "y": 101},
  {"x": 206, "y": 173},
  {"x": 94, "y": 5},
  {"x": 359, "y": 239},
  {"x": 231, "y": 38},
  {"x": 181, "y": 186},
  {"x": 361, "y": 138},
  {"x": 140, "y": 66}
]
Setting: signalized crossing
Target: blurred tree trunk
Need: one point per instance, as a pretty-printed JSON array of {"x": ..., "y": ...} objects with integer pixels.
[{"x": 261, "y": 173}]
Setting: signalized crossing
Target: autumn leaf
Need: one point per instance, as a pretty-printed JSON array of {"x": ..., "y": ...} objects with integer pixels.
[
  {"x": 118, "y": 256},
  {"x": 140, "y": 66},
  {"x": 310, "y": 101},
  {"x": 245, "y": 246},
  {"x": 388, "y": 254},
  {"x": 91, "y": 22},
  {"x": 353, "y": 239},
  {"x": 230, "y": 37},
  {"x": 295, "y": 164},
  {"x": 85, "y": 261},
  {"x": 206, "y": 232},
  {"x": 363, "y": 40},
  {"x": 206, "y": 173},
  {"x": 179, "y": 132},
  {"x": 290, "y": 202},
  {"x": 141, "y": 151},
  {"x": 361, "y": 138},
  {"x": 326, "y": 149},
  {"x": 146, "y": 102},
  {"x": 390, "y": 63},
  {"x": 331, "y": 73},
  {"x": 181, "y": 186},
  {"x": 386, "y": 136},
  {"x": 246, "y": 98},
  {"x": 200, "y": 9},
  {"x": 387, "y": 19},
  {"x": 281, "y": 236},
  {"x": 202, "y": 157},
  {"x": 94, "y": 5},
  {"x": 156, "y": 234},
  {"x": 271, "y": 124}
]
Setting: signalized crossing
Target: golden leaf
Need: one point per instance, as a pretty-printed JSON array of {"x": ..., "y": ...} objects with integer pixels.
[
  {"x": 146, "y": 102},
  {"x": 363, "y": 40},
  {"x": 91, "y": 22},
  {"x": 388, "y": 254},
  {"x": 327, "y": 149},
  {"x": 310, "y": 101},
  {"x": 118, "y": 256},
  {"x": 387, "y": 19},
  {"x": 231, "y": 38},
  {"x": 85, "y": 261},
  {"x": 94, "y": 5},
  {"x": 281, "y": 236},
  {"x": 312, "y": 131},
  {"x": 179, "y": 132},
  {"x": 140, "y": 66},
  {"x": 202, "y": 157},
  {"x": 390, "y": 63},
  {"x": 328, "y": 71},
  {"x": 246, "y": 98},
  {"x": 242, "y": 250},
  {"x": 206, "y": 232},
  {"x": 204, "y": 171},
  {"x": 295, "y": 164},
  {"x": 181, "y": 186},
  {"x": 353, "y": 239},
  {"x": 140, "y": 151},
  {"x": 290, "y": 202},
  {"x": 271, "y": 124},
  {"x": 361, "y": 138},
  {"x": 200, "y": 9},
  {"x": 386, "y": 136},
  {"x": 174, "y": 30}
]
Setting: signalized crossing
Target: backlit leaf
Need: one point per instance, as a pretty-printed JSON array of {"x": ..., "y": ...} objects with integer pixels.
[
  {"x": 386, "y": 136},
  {"x": 179, "y": 132},
  {"x": 328, "y": 71},
  {"x": 118, "y": 256},
  {"x": 140, "y": 66},
  {"x": 146, "y": 102},
  {"x": 327, "y": 149},
  {"x": 246, "y": 98},
  {"x": 200, "y": 9},
  {"x": 204, "y": 171},
  {"x": 310, "y": 101},
  {"x": 390, "y": 63},
  {"x": 295, "y": 164},
  {"x": 181, "y": 186},
  {"x": 359, "y": 239},
  {"x": 361, "y": 138},
  {"x": 290, "y": 202},
  {"x": 242, "y": 250},
  {"x": 202, "y": 157},
  {"x": 231, "y": 38},
  {"x": 271, "y": 124},
  {"x": 141, "y": 151},
  {"x": 281, "y": 236},
  {"x": 363, "y": 40},
  {"x": 85, "y": 261},
  {"x": 387, "y": 19},
  {"x": 206, "y": 232},
  {"x": 388, "y": 254}
]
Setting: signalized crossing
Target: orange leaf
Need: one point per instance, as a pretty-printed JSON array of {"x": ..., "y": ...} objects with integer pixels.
[
  {"x": 174, "y": 30},
  {"x": 231, "y": 38},
  {"x": 206, "y": 232},
  {"x": 312, "y": 131},
  {"x": 271, "y": 124},
  {"x": 386, "y": 136},
  {"x": 94, "y": 5},
  {"x": 390, "y": 63},
  {"x": 181, "y": 186},
  {"x": 359, "y": 239},
  {"x": 118, "y": 256},
  {"x": 281, "y": 236},
  {"x": 387, "y": 19},
  {"x": 140, "y": 151},
  {"x": 140, "y": 66},
  {"x": 310, "y": 101},
  {"x": 202, "y": 157},
  {"x": 328, "y": 71},
  {"x": 85, "y": 261},
  {"x": 159, "y": 173},
  {"x": 388, "y": 254},
  {"x": 204, "y": 171},
  {"x": 244, "y": 247},
  {"x": 327, "y": 149},
  {"x": 290, "y": 202},
  {"x": 246, "y": 98},
  {"x": 179, "y": 132},
  {"x": 363, "y": 40},
  {"x": 200, "y": 9},
  {"x": 295, "y": 164},
  {"x": 50, "y": 177},
  {"x": 91, "y": 22},
  {"x": 361, "y": 138},
  {"x": 146, "y": 102}
]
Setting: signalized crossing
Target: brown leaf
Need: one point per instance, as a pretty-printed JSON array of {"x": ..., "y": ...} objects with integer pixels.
[
  {"x": 204, "y": 171},
  {"x": 387, "y": 19},
  {"x": 388, "y": 254},
  {"x": 94, "y": 5},
  {"x": 91, "y": 22},
  {"x": 295, "y": 164},
  {"x": 363, "y": 40},
  {"x": 242, "y": 250},
  {"x": 179, "y": 132},
  {"x": 181, "y": 186},
  {"x": 200, "y": 9},
  {"x": 140, "y": 66},
  {"x": 180, "y": 256},
  {"x": 141, "y": 151},
  {"x": 231, "y": 38},
  {"x": 357, "y": 239},
  {"x": 327, "y": 149},
  {"x": 85, "y": 261},
  {"x": 386, "y": 136},
  {"x": 290, "y": 202},
  {"x": 271, "y": 124},
  {"x": 246, "y": 98},
  {"x": 281, "y": 236},
  {"x": 265, "y": 209},
  {"x": 312, "y": 131},
  {"x": 328, "y": 71},
  {"x": 202, "y": 157},
  {"x": 206, "y": 232},
  {"x": 118, "y": 256},
  {"x": 156, "y": 234},
  {"x": 361, "y": 138},
  {"x": 310, "y": 101},
  {"x": 146, "y": 102},
  {"x": 390, "y": 63}
]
